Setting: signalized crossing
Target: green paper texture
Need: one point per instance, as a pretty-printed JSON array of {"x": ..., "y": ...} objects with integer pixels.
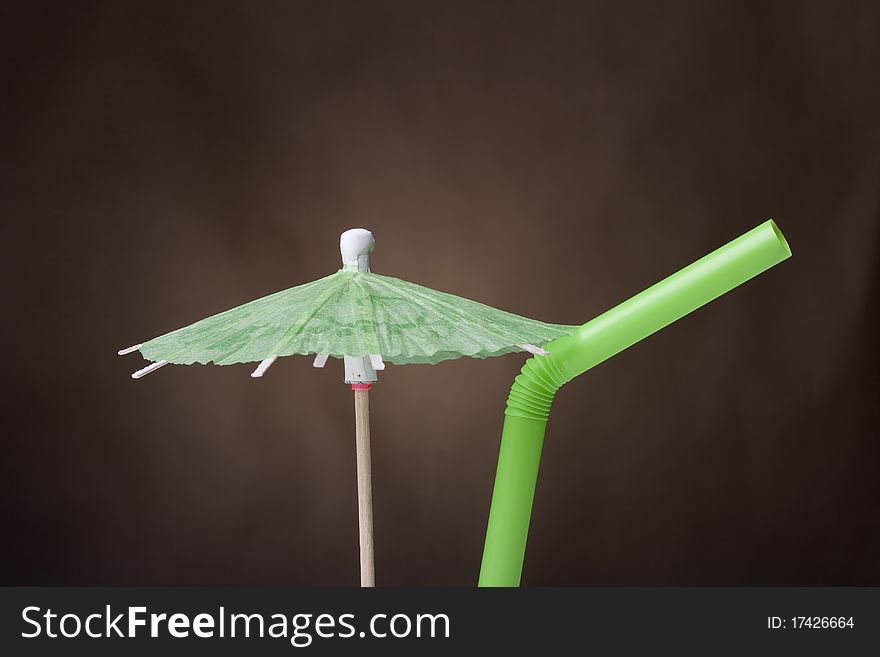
[{"x": 352, "y": 313}]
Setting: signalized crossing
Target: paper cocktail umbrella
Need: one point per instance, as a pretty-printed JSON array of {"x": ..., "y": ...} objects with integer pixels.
[{"x": 365, "y": 319}]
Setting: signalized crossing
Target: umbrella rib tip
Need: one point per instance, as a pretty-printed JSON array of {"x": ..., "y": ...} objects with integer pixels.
[
  {"x": 532, "y": 349},
  {"x": 262, "y": 367},
  {"x": 152, "y": 367},
  {"x": 128, "y": 350}
]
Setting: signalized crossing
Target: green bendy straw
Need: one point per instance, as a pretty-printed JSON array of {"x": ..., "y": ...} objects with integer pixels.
[{"x": 531, "y": 396}]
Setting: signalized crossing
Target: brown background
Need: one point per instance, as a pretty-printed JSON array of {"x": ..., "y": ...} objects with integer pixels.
[{"x": 164, "y": 161}]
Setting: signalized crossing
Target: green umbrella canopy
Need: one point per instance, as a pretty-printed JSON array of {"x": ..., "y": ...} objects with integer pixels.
[{"x": 353, "y": 312}]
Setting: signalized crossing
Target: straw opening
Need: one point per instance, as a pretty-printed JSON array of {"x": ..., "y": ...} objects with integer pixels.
[{"x": 779, "y": 236}]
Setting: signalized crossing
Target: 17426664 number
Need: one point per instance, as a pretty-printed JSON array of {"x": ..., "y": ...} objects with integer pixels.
[{"x": 821, "y": 622}]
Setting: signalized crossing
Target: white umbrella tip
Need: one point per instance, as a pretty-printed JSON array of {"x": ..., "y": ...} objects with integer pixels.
[{"x": 354, "y": 243}]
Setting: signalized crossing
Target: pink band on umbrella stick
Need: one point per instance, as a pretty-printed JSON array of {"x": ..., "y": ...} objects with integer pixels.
[{"x": 361, "y": 386}]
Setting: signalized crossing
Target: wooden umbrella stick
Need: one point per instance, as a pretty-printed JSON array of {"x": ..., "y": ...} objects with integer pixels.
[{"x": 364, "y": 483}]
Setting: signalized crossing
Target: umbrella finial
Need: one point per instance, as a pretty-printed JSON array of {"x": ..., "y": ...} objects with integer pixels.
[{"x": 356, "y": 245}]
